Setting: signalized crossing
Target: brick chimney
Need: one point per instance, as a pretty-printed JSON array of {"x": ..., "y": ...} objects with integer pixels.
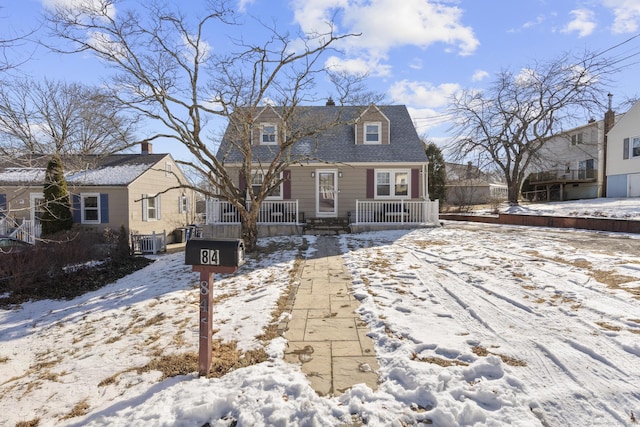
[
  {"x": 609, "y": 121},
  {"x": 147, "y": 147},
  {"x": 330, "y": 102}
]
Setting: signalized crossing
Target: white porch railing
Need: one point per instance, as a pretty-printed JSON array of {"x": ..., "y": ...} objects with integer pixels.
[
  {"x": 271, "y": 212},
  {"x": 27, "y": 231},
  {"x": 396, "y": 211},
  {"x": 149, "y": 243}
]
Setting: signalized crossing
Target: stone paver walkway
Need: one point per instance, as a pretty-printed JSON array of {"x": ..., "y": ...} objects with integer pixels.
[{"x": 325, "y": 334}]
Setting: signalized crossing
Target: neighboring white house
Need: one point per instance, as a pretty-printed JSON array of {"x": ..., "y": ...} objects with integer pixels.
[{"x": 623, "y": 155}]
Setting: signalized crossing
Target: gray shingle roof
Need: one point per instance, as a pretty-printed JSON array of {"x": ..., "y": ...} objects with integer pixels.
[
  {"x": 337, "y": 145},
  {"x": 115, "y": 169}
]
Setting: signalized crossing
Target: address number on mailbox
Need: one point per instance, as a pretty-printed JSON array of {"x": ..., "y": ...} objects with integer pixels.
[{"x": 210, "y": 256}]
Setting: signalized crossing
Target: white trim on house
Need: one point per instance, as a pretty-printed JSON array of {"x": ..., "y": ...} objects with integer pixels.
[
  {"x": 396, "y": 189},
  {"x": 368, "y": 131},
  {"x": 84, "y": 209},
  {"x": 321, "y": 211}
]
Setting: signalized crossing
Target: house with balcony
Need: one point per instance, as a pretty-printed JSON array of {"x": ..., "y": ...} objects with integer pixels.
[
  {"x": 571, "y": 165},
  {"x": 142, "y": 192},
  {"x": 623, "y": 155},
  {"x": 366, "y": 169}
]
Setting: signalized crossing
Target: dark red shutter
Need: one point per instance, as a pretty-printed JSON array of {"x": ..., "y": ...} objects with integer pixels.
[
  {"x": 370, "y": 184},
  {"x": 415, "y": 183},
  {"x": 286, "y": 185}
]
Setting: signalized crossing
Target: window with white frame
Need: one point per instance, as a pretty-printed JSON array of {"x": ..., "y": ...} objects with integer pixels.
[
  {"x": 372, "y": 132},
  {"x": 635, "y": 146},
  {"x": 392, "y": 183},
  {"x": 150, "y": 208},
  {"x": 257, "y": 179},
  {"x": 183, "y": 204},
  {"x": 268, "y": 134},
  {"x": 90, "y": 208}
]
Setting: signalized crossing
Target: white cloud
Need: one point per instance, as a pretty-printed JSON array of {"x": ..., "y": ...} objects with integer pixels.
[
  {"x": 422, "y": 94},
  {"x": 204, "y": 48},
  {"x": 242, "y": 5},
  {"x": 627, "y": 15},
  {"x": 479, "y": 75},
  {"x": 584, "y": 22},
  {"x": 416, "y": 64},
  {"x": 387, "y": 24},
  {"x": 89, "y": 6},
  {"x": 426, "y": 120},
  {"x": 358, "y": 66}
]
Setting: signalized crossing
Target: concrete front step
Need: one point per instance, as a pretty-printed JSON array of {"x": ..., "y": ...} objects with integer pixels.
[{"x": 327, "y": 226}]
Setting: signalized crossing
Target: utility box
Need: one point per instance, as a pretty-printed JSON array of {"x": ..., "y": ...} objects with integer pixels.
[{"x": 214, "y": 252}]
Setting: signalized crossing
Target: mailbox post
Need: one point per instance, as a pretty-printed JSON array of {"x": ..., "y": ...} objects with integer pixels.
[{"x": 207, "y": 257}]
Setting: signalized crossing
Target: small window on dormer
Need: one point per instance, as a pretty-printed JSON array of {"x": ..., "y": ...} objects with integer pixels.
[
  {"x": 372, "y": 133},
  {"x": 268, "y": 134}
]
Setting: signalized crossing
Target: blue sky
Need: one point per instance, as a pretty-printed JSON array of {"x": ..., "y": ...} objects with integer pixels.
[{"x": 418, "y": 52}]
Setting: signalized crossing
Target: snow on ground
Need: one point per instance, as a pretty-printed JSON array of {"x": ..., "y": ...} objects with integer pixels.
[
  {"x": 474, "y": 324},
  {"x": 622, "y": 208}
]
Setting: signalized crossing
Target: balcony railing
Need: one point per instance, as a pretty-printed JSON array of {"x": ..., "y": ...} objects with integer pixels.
[
  {"x": 271, "y": 212},
  {"x": 396, "y": 211},
  {"x": 367, "y": 212},
  {"x": 148, "y": 243},
  {"x": 563, "y": 175},
  {"x": 27, "y": 231}
]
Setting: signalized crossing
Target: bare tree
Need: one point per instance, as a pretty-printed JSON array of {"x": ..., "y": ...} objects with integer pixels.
[
  {"x": 64, "y": 118},
  {"x": 506, "y": 126},
  {"x": 10, "y": 44},
  {"x": 168, "y": 69}
]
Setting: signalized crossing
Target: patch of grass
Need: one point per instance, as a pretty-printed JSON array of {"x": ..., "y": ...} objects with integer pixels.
[
  {"x": 113, "y": 339},
  {"x": 31, "y": 423},
  {"x": 509, "y": 360},
  {"x": 113, "y": 379},
  {"x": 424, "y": 244},
  {"x": 611, "y": 278},
  {"x": 445, "y": 363},
  {"x": 4, "y": 359},
  {"x": 172, "y": 365},
  {"x": 81, "y": 408},
  {"x": 609, "y": 326}
]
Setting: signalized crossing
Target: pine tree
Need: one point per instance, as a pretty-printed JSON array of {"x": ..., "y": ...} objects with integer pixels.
[
  {"x": 437, "y": 174},
  {"x": 57, "y": 209}
]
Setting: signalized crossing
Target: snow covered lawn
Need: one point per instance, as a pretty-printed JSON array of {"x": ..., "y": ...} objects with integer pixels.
[{"x": 474, "y": 324}]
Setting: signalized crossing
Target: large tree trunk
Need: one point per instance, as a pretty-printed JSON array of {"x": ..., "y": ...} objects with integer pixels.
[
  {"x": 513, "y": 190},
  {"x": 249, "y": 229}
]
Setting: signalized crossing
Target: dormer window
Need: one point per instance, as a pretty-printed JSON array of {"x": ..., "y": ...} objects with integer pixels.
[
  {"x": 268, "y": 134},
  {"x": 372, "y": 131}
]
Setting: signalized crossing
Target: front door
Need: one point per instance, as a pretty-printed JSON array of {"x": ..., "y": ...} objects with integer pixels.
[{"x": 327, "y": 193}]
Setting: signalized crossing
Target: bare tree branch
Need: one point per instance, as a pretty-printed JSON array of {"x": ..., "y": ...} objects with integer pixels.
[
  {"x": 167, "y": 68},
  {"x": 507, "y": 125}
]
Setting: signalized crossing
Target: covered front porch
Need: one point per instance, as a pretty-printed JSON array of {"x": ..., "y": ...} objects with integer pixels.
[{"x": 285, "y": 217}]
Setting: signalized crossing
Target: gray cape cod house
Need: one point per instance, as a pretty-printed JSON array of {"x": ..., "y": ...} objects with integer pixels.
[{"x": 365, "y": 169}]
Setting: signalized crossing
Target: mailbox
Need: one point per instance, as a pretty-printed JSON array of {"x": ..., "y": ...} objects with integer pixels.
[{"x": 214, "y": 252}]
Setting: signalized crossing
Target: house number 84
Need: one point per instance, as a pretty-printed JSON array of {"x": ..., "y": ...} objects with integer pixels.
[{"x": 209, "y": 257}]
